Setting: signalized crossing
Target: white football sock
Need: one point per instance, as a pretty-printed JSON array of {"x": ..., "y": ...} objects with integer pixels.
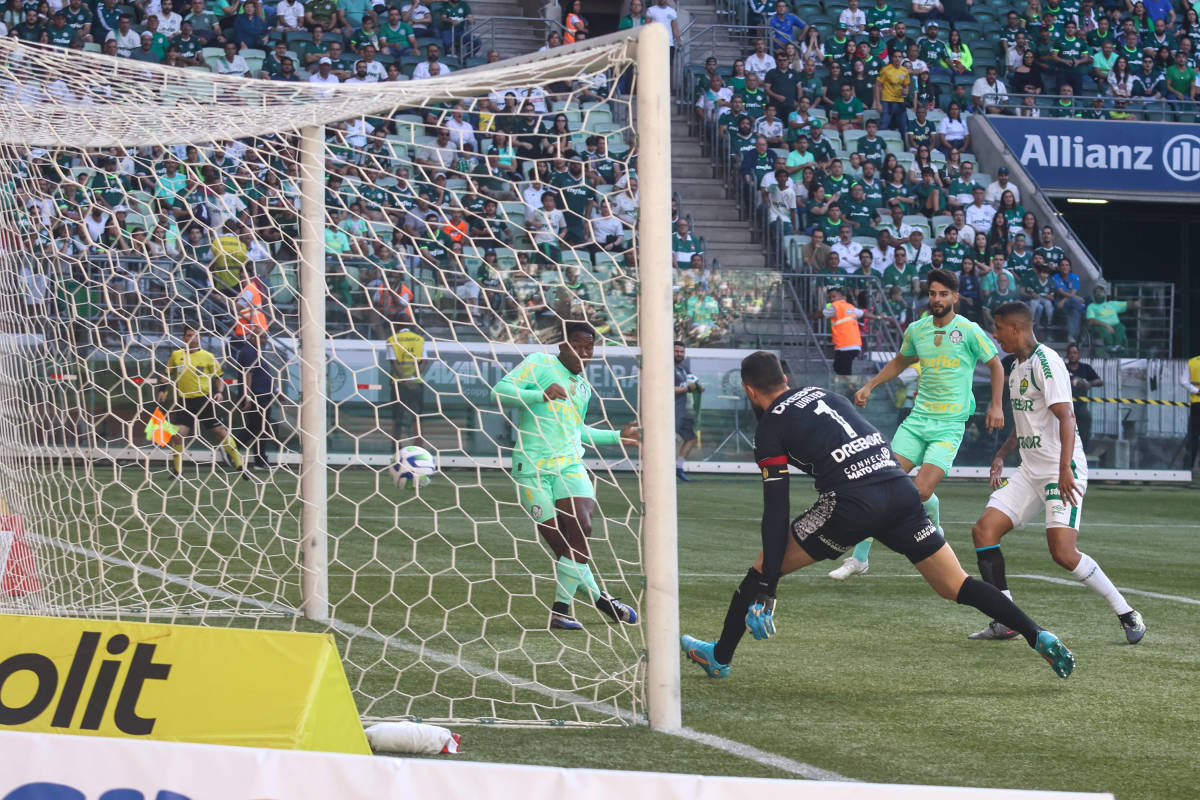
[
  {"x": 679, "y": 462},
  {"x": 1089, "y": 572}
]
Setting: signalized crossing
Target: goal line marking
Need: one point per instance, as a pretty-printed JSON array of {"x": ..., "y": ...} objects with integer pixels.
[{"x": 478, "y": 670}]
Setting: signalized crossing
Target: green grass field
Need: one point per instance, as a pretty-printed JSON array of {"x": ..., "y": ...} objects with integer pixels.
[{"x": 873, "y": 679}]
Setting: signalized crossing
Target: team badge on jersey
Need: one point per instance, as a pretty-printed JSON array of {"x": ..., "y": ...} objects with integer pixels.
[
  {"x": 937, "y": 339},
  {"x": 956, "y": 336},
  {"x": 1024, "y": 385}
]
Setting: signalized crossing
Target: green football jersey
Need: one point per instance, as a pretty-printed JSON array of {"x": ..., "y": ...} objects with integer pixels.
[
  {"x": 549, "y": 433},
  {"x": 947, "y": 359}
]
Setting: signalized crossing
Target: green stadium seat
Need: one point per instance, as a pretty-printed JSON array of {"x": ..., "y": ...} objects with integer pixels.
[
  {"x": 852, "y": 136},
  {"x": 892, "y": 138}
]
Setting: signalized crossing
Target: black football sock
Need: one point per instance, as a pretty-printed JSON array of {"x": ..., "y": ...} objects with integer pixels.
[
  {"x": 735, "y": 617},
  {"x": 991, "y": 566},
  {"x": 991, "y": 601}
]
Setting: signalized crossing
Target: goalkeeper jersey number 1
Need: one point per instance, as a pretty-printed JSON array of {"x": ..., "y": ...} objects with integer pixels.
[{"x": 549, "y": 432}]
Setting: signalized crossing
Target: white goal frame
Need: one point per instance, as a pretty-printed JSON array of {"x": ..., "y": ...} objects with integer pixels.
[{"x": 43, "y": 124}]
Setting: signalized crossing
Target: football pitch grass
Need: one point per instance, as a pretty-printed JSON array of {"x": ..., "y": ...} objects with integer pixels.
[{"x": 872, "y": 679}]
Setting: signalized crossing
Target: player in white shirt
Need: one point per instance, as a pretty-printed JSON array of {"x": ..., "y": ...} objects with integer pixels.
[{"x": 1052, "y": 478}]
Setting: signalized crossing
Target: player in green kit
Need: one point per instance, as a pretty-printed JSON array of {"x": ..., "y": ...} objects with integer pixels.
[
  {"x": 552, "y": 394},
  {"x": 947, "y": 347}
]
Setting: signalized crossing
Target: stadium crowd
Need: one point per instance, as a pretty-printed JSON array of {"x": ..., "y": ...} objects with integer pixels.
[
  {"x": 516, "y": 216},
  {"x": 506, "y": 212},
  {"x": 844, "y": 135}
]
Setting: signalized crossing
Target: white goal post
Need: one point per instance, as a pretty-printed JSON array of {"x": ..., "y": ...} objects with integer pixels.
[{"x": 436, "y": 596}]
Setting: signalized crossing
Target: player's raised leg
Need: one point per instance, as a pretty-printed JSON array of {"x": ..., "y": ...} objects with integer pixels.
[
  {"x": 573, "y": 569},
  {"x": 945, "y": 574}
]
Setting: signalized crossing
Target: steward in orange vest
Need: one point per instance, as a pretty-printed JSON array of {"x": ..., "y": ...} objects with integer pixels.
[{"x": 843, "y": 325}]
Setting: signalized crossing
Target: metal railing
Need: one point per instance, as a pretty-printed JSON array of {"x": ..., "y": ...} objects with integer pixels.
[
  {"x": 1150, "y": 109},
  {"x": 1150, "y": 324},
  {"x": 697, "y": 44},
  {"x": 490, "y": 29}
]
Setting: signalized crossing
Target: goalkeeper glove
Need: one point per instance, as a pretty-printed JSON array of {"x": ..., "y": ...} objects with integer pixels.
[{"x": 760, "y": 619}]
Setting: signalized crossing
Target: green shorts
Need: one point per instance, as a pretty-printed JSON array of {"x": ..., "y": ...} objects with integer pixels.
[
  {"x": 541, "y": 484},
  {"x": 928, "y": 440}
]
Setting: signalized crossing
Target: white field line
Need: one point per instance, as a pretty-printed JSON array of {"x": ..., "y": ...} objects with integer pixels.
[
  {"x": 691, "y": 576},
  {"x": 1174, "y": 598},
  {"x": 730, "y": 746},
  {"x": 334, "y": 514}
]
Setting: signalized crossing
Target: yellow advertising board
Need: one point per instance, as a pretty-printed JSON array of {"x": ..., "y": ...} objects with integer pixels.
[{"x": 176, "y": 682}]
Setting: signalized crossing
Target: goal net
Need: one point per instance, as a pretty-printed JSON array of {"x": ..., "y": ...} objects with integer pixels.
[{"x": 226, "y": 305}]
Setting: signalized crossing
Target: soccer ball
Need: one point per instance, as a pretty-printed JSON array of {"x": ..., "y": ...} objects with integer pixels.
[{"x": 414, "y": 465}]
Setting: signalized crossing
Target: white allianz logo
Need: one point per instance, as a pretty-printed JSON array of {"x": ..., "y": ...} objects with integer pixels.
[
  {"x": 1180, "y": 155},
  {"x": 1072, "y": 151}
]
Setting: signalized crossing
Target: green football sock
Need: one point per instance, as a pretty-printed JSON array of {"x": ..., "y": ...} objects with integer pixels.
[
  {"x": 567, "y": 575},
  {"x": 588, "y": 581},
  {"x": 933, "y": 509},
  {"x": 862, "y": 550}
]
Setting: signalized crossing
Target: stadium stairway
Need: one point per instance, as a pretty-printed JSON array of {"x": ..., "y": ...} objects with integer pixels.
[
  {"x": 727, "y": 239},
  {"x": 512, "y": 27}
]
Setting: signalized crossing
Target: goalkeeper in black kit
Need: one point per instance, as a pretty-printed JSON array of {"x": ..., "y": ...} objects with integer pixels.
[{"x": 861, "y": 492}]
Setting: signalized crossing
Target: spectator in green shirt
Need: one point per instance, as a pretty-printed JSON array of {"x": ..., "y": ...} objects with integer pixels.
[
  {"x": 1005, "y": 292},
  {"x": 1103, "y": 320},
  {"x": 848, "y": 108},
  {"x": 902, "y": 275},
  {"x": 872, "y": 148},
  {"x": 1181, "y": 79},
  {"x": 1065, "y": 105},
  {"x": 396, "y": 36}
]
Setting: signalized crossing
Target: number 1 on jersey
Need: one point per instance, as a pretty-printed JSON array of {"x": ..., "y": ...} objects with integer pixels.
[{"x": 823, "y": 408}]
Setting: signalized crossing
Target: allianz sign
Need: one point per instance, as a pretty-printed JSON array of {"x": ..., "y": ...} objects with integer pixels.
[{"x": 1179, "y": 156}]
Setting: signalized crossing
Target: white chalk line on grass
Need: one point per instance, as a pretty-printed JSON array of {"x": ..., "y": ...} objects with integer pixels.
[
  {"x": 1174, "y": 598},
  {"x": 478, "y": 670},
  {"x": 752, "y": 523},
  {"x": 686, "y": 576}
]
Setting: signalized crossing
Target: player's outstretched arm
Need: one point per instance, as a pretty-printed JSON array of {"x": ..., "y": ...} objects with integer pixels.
[
  {"x": 995, "y": 413},
  {"x": 891, "y": 370},
  {"x": 515, "y": 390},
  {"x": 596, "y": 437}
]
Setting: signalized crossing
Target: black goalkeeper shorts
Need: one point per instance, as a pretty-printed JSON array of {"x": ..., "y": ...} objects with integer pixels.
[{"x": 891, "y": 511}]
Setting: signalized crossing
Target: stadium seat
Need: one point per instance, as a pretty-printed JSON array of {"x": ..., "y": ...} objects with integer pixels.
[
  {"x": 917, "y": 221},
  {"x": 852, "y": 136},
  {"x": 939, "y": 223},
  {"x": 892, "y": 138}
]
